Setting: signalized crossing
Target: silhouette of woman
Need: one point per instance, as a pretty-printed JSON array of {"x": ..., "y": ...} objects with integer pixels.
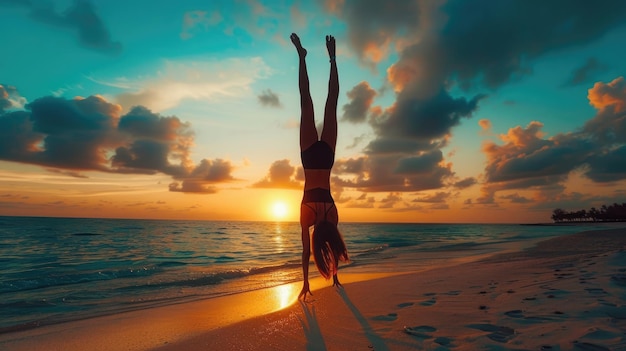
[{"x": 318, "y": 208}]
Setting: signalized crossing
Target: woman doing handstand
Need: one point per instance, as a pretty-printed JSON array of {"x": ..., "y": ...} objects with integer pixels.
[{"x": 318, "y": 156}]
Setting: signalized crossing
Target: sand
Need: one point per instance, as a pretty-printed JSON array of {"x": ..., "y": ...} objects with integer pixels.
[{"x": 567, "y": 293}]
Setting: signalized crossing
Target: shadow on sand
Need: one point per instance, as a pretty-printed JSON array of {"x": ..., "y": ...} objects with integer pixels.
[
  {"x": 376, "y": 341},
  {"x": 312, "y": 332}
]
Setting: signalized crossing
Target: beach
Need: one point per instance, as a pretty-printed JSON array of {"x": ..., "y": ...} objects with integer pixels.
[{"x": 565, "y": 293}]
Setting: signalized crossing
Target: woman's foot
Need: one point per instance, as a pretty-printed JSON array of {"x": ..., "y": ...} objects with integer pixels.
[
  {"x": 330, "y": 45},
  {"x": 296, "y": 42}
]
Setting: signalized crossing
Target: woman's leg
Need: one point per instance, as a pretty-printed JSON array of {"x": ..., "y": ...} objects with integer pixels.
[
  {"x": 308, "y": 132},
  {"x": 329, "y": 132}
]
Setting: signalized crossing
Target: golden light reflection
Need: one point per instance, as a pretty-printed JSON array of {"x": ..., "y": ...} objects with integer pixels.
[{"x": 286, "y": 295}]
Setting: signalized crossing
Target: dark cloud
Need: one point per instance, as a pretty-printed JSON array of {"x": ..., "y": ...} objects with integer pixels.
[
  {"x": 191, "y": 186},
  {"x": 528, "y": 160},
  {"x": 394, "y": 173},
  {"x": 586, "y": 73},
  {"x": 372, "y": 25},
  {"x": 438, "y": 197},
  {"x": 609, "y": 166},
  {"x": 361, "y": 98},
  {"x": 90, "y": 134},
  {"x": 516, "y": 198},
  {"x": 81, "y": 17},
  {"x": 390, "y": 200},
  {"x": 424, "y": 119},
  {"x": 609, "y": 124},
  {"x": 474, "y": 46},
  {"x": 465, "y": 183},
  {"x": 281, "y": 175},
  {"x": 470, "y": 41},
  {"x": 269, "y": 98},
  {"x": 390, "y": 145},
  {"x": 526, "y": 155},
  {"x": 406, "y": 153},
  {"x": 363, "y": 201}
]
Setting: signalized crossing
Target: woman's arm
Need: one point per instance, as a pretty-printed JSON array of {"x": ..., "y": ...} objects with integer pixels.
[{"x": 306, "y": 254}]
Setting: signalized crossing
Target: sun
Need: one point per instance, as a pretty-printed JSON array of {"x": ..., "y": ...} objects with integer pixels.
[{"x": 279, "y": 210}]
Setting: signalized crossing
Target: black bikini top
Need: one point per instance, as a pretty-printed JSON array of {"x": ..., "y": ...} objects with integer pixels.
[{"x": 318, "y": 156}]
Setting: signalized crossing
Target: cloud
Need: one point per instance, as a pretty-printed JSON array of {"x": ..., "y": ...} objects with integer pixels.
[
  {"x": 195, "y": 21},
  {"x": 92, "y": 134},
  {"x": 393, "y": 173},
  {"x": 442, "y": 40},
  {"x": 281, "y": 175},
  {"x": 516, "y": 198},
  {"x": 269, "y": 98},
  {"x": 585, "y": 73},
  {"x": 373, "y": 26},
  {"x": 438, "y": 197},
  {"x": 529, "y": 160},
  {"x": 485, "y": 124},
  {"x": 81, "y": 16},
  {"x": 189, "y": 79},
  {"x": 192, "y": 187},
  {"x": 443, "y": 47},
  {"x": 424, "y": 119},
  {"x": 527, "y": 157},
  {"x": 10, "y": 98},
  {"x": 465, "y": 183},
  {"x": 203, "y": 177},
  {"x": 390, "y": 200},
  {"x": 361, "y": 98},
  {"x": 609, "y": 96}
]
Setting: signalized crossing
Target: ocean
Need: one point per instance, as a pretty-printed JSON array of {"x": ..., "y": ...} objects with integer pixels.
[{"x": 60, "y": 269}]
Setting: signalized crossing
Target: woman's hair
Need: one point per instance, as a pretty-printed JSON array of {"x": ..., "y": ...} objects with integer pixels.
[{"x": 328, "y": 248}]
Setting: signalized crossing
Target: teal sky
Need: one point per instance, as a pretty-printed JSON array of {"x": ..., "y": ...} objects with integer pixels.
[{"x": 441, "y": 85}]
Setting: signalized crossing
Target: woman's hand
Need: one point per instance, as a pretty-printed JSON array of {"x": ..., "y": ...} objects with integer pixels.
[
  {"x": 330, "y": 45},
  {"x": 304, "y": 291}
]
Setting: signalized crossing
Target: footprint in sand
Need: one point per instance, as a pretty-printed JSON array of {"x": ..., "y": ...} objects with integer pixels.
[
  {"x": 431, "y": 301},
  {"x": 387, "y": 318},
  {"x": 420, "y": 331},
  {"x": 515, "y": 314},
  {"x": 444, "y": 341},
  {"x": 528, "y": 319},
  {"x": 497, "y": 333},
  {"x": 405, "y": 304},
  {"x": 596, "y": 291},
  {"x": 587, "y": 346}
]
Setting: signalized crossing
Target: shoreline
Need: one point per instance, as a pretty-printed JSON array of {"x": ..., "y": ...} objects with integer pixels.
[{"x": 500, "y": 300}]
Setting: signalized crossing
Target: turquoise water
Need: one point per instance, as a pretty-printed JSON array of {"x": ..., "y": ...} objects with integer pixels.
[{"x": 59, "y": 269}]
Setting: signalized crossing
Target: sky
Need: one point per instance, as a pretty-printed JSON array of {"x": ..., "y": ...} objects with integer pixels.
[{"x": 452, "y": 111}]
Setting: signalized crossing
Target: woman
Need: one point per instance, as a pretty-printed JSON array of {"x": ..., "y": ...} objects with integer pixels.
[{"x": 318, "y": 155}]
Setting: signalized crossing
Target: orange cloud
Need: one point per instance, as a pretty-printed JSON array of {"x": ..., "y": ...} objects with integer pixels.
[
  {"x": 603, "y": 95},
  {"x": 521, "y": 137},
  {"x": 485, "y": 124}
]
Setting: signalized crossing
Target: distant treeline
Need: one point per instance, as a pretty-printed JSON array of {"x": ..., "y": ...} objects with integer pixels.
[{"x": 611, "y": 213}]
